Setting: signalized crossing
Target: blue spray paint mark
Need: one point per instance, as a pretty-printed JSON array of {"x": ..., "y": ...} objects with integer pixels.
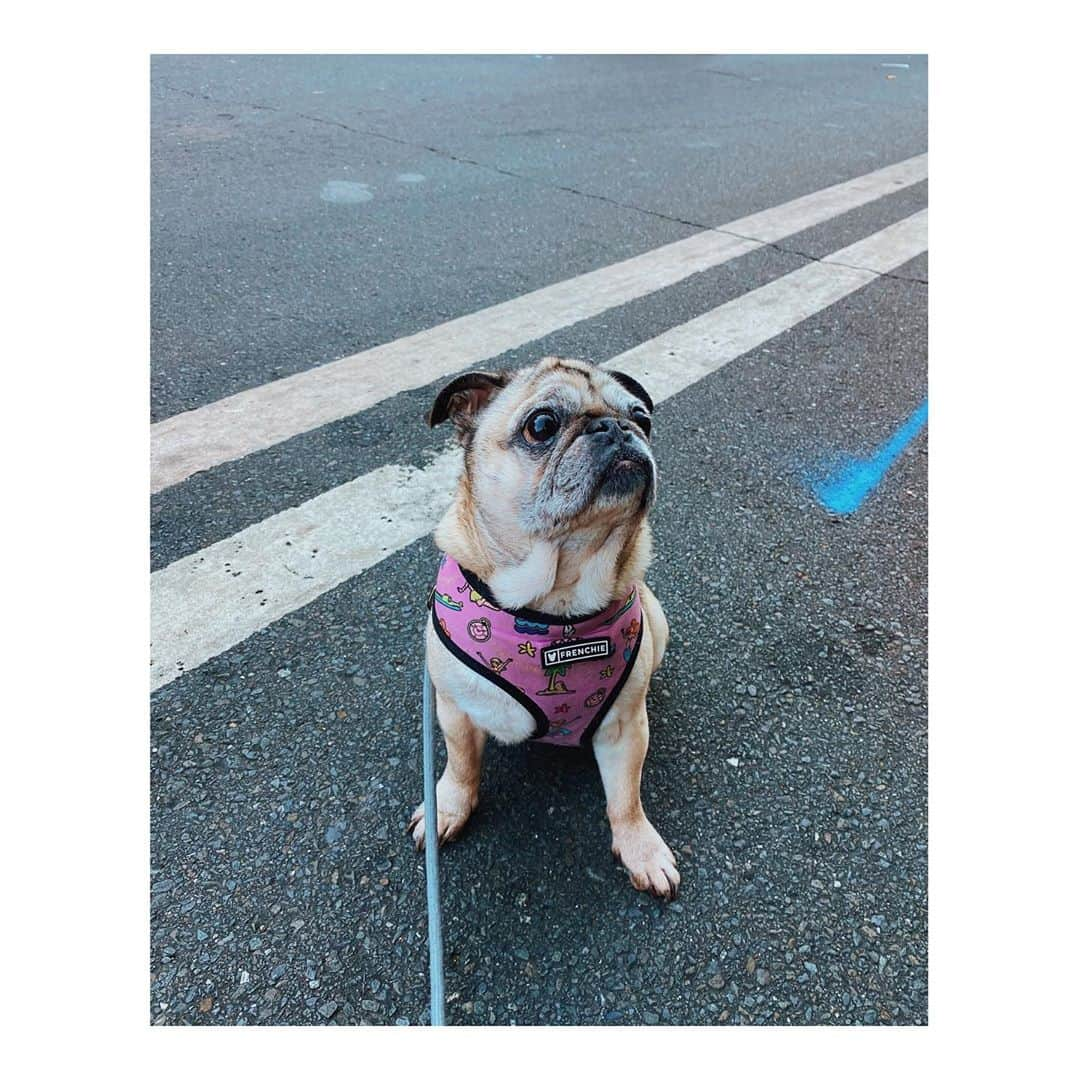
[{"x": 842, "y": 491}]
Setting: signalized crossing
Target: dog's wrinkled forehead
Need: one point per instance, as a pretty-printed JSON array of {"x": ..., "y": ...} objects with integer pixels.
[{"x": 571, "y": 386}]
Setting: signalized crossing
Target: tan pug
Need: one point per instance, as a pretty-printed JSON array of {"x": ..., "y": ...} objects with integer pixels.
[{"x": 550, "y": 516}]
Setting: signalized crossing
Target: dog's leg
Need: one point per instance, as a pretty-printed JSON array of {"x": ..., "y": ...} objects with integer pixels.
[
  {"x": 658, "y": 624},
  {"x": 458, "y": 790},
  {"x": 619, "y": 746}
]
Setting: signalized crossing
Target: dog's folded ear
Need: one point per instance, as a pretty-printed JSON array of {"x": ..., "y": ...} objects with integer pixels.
[
  {"x": 633, "y": 386},
  {"x": 464, "y": 397}
]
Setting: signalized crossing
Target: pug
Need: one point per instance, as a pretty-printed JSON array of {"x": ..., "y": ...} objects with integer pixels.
[{"x": 541, "y": 624}]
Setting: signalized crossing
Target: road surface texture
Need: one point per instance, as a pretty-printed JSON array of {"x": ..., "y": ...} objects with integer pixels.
[{"x": 306, "y": 209}]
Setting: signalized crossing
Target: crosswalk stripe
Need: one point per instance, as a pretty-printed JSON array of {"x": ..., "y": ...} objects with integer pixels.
[
  {"x": 263, "y": 416},
  {"x": 209, "y": 601},
  {"x": 675, "y": 360}
]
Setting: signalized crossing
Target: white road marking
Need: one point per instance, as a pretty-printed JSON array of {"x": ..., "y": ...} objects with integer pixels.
[
  {"x": 677, "y": 359},
  {"x": 252, "y": 420},
  {"x": 205, "y": 603},
  {"x": 209, "y": 601}
]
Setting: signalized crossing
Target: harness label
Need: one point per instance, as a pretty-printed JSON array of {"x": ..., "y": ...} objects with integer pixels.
[{"x": 570, "y": 652}]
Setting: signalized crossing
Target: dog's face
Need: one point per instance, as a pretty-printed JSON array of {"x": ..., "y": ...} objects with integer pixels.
[{"x": 554, "y": 448}]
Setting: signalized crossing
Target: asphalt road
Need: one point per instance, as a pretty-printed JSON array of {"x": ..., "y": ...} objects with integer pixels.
[{"x": 306, "y": 208}]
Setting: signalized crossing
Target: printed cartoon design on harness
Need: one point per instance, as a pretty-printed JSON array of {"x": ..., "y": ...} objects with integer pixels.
[
  {"x": 476, "y": 597},
  {"x": 479, "y": 629},
  {"x": 630, "y": 634},
  {"x": 446, "y": 601},
  {"x": 554, "y": 685},
  {"x": 496, "y": 665}
]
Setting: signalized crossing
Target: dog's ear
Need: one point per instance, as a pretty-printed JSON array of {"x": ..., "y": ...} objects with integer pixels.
[
  {"x": 462, "y": 399},
  {"x": 633, "y": 386}
]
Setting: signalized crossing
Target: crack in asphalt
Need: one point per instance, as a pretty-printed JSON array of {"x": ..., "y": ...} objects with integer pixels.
[
  {"x": 734, "y": 75},
  {"x": 462, "y": 160}
]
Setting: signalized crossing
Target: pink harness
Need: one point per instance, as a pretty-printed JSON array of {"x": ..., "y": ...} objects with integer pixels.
[{"x": 566, "y": 672}]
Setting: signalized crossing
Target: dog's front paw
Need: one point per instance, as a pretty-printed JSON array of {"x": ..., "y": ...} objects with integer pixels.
[
  {"x": 649, "y": 861},
  {"x": 455, "y": 806}
]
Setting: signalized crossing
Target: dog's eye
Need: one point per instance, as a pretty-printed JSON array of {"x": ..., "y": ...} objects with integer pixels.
[
  {"x": 642, "y": 419},
  {"x": 541, "y": 426}
]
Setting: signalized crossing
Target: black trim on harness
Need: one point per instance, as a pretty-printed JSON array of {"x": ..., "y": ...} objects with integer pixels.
[{"x": 587, "y": 734}]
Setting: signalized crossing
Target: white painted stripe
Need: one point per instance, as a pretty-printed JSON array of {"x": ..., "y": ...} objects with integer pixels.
[
  {"x": 205, "y": 603},
  {"x": 254, "y": 419},
  {"x": 677, "y": 359}
]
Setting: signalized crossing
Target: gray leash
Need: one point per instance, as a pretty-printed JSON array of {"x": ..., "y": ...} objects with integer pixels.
[{"x": 431, "y": 860}]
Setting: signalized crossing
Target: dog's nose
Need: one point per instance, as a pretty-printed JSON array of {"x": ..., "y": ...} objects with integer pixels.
[{"x": 607, "y": 426}]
